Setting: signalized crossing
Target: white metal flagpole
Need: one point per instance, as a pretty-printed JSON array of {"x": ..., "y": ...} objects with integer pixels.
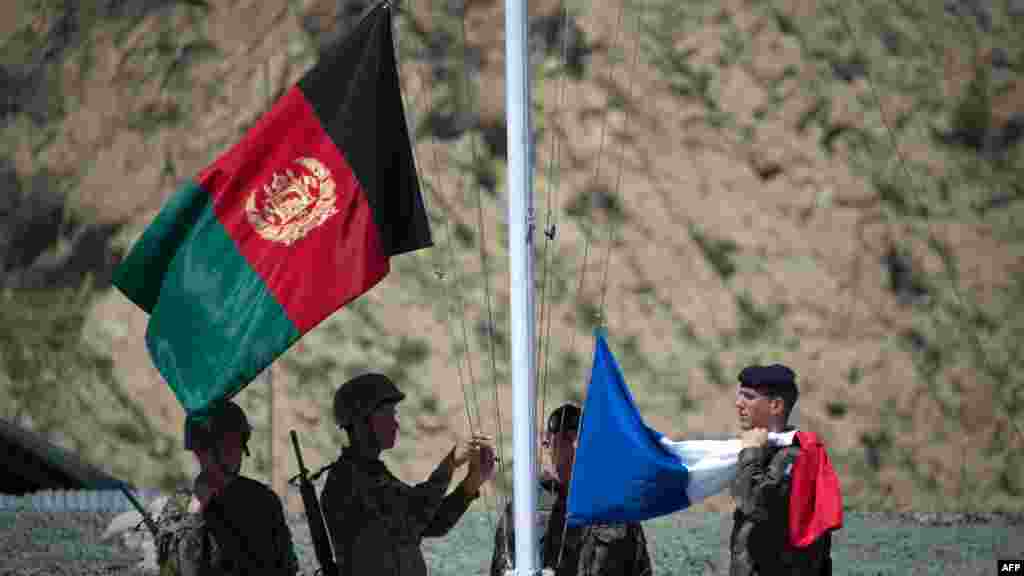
[{"x": 520, "y": 226}]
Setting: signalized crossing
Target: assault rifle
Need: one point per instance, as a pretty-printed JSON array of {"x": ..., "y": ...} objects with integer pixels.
[{"x": 317, "y": 527}]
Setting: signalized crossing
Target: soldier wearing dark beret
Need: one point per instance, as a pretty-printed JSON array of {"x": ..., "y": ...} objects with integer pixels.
[
  {"x": 759, "y": 544},
  {"x": 593, "y": 550}
]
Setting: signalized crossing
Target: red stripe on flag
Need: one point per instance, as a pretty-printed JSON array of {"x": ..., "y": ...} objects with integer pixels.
[
  {"x": 816, "y": 501},
  {"x": 293, "y": 206}
]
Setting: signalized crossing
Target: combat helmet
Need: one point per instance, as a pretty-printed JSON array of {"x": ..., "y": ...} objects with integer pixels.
[
  {"x": 360, "y": 396},
  {"x": 202, "y": 432}
]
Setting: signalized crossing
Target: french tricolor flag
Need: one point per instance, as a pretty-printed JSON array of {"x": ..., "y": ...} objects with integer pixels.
[{"x": 627, "y": 472}]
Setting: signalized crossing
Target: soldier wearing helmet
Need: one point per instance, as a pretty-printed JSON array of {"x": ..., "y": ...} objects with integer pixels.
[
  {"x": 245, "y": 517},
  {"x": 355, "y": 405},
  {"x": 222, "y": 437},
  {"x": 376, "y": 521}
]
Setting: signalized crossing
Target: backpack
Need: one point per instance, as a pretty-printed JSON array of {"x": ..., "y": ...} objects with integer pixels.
[{"x": 184, "y": 545}]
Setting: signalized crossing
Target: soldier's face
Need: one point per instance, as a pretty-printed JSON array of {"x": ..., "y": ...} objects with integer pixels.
[
  {"x": 384, "y": 425},
  {"x": 231, "y": 452},
  {"x": 563, "y": 452},
  {"x": 754, "y": 409}
]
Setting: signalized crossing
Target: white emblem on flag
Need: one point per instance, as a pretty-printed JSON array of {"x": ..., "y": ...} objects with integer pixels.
[{"x": 293, "y": 204}]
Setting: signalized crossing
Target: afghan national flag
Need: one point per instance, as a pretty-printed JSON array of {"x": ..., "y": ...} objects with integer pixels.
[{"x": 293, "y": 222}]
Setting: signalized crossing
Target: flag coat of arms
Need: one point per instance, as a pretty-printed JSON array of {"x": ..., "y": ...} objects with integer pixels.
[{"x": 294, "y": 221}]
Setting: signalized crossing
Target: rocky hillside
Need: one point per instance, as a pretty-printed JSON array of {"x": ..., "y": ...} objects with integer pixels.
[{"x": 833, "y": 185}]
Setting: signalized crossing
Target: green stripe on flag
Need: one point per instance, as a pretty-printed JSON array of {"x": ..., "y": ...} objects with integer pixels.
[
  {"x": 215, "y": 325},
  {"x": 140, "y": 274}
]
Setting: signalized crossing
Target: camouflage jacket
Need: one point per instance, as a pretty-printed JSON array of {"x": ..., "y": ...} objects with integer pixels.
[
  {"x": 759, "y": 544},
  {"x": 249, "y": 526},
  {"x": 377, "y": 522},
  {"x": 184, "y": 545},
  {"x": 597, "y": 550},
  {"x": 504, "y": 552}
]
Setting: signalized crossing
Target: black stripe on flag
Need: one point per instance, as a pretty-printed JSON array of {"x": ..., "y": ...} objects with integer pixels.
[{"x": 354, "y": 90}]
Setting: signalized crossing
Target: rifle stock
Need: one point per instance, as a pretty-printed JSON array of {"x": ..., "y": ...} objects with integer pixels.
[{"x": 317, "y": 527}]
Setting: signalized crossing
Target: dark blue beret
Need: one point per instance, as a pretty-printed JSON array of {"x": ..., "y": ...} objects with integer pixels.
[
  {"x": 775, "y": 378},
  {"x": 564, "y": 418}
]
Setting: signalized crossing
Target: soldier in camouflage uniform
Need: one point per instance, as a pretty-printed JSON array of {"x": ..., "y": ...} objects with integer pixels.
[
  {"x": 245, "y": 517},
  {"x": 376, "y": 521},
  {"x": 504, "y": 536},
  {"x": 593, "y": 550},
  {"x": 759, "y": 544},
  {"x": 185, "y": 547}
]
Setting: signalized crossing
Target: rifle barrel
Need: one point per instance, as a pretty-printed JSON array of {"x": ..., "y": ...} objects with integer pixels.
[
  {"x": 314, "y": 517},
  {"x": 298, "y": 452}
]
